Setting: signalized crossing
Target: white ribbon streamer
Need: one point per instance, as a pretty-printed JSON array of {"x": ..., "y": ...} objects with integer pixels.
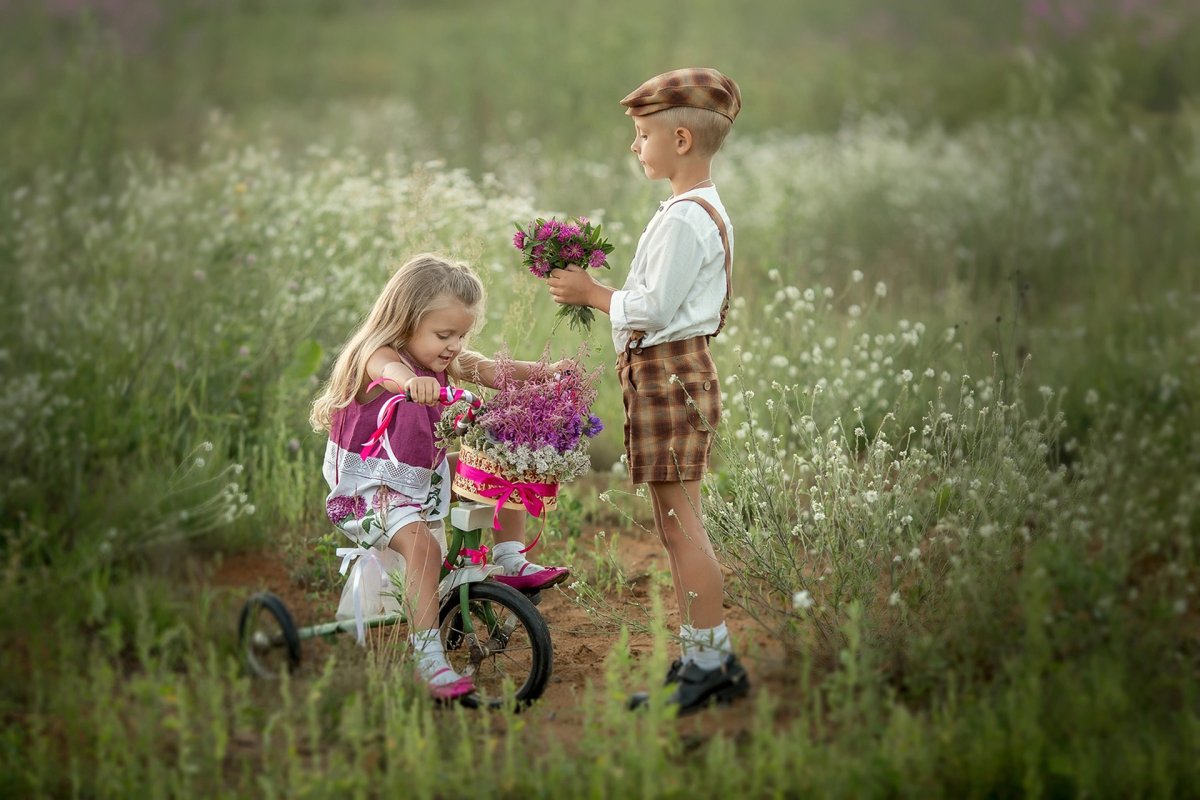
[{"x": 371, "y": 559}]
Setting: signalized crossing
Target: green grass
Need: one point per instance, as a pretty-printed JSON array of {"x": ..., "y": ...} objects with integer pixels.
[{"x": 956, "y": 477}]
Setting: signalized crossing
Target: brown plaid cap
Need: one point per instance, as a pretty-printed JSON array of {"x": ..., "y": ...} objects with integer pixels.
[{"x": 694, "y": 87}]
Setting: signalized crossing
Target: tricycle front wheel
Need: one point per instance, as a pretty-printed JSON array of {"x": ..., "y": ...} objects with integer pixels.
[{"x": 505, "y": 644}]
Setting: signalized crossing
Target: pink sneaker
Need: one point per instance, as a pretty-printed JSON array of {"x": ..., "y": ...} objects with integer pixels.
[
  {"x": 534, "y": 581},
  {"x": 453, "y": 690}
]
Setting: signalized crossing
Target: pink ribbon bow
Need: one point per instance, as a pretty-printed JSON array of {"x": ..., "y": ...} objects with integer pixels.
[
  {"x": 501, "y": 489},
  {"x": 477, "y": 556}
]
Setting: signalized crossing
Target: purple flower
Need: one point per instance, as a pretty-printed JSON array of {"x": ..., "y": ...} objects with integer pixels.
[
  {"x": 593, "y": 427},
  {"x": 542, "y": 411},
  {"x": 342, "y": 507},
  {"x": 549, "y": 244}
]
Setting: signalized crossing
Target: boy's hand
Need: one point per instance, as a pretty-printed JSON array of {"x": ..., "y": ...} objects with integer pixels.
[
  {"x": 571, "y": 286},
  {"x": 423, "y": 390}
]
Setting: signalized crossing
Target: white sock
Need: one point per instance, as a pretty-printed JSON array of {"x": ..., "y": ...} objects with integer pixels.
[
  {"x": 706, "y": 647},
  {"x": 509, "y": 556},
  {"x": 431, "y": 658}
]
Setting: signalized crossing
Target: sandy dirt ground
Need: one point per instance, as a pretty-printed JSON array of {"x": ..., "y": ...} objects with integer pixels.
[{"x": 582, "y": 642}]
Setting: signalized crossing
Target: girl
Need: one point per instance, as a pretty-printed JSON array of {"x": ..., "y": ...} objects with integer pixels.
[{"x": 390, "y": 498}]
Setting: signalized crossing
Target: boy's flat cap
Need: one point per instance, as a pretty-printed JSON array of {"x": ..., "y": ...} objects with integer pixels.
[{"x": 694, "y": 87}]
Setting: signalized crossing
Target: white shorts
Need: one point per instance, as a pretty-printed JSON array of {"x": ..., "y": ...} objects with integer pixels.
[{"x": 375, "y": 583}]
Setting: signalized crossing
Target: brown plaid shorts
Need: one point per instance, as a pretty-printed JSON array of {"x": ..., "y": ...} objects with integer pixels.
[{"x": 669, "y": 424}]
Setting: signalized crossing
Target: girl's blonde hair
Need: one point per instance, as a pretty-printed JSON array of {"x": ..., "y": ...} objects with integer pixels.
[{"x": 413, "y": 291}]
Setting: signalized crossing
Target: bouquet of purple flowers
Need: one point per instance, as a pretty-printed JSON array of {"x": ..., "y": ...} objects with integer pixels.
[
  {"x": 548, "y": 244},
  {"x": 532, "y": 432}
]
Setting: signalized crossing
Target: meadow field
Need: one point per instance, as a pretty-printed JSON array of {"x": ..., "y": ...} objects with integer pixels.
[{"x": 957, "y": 491}]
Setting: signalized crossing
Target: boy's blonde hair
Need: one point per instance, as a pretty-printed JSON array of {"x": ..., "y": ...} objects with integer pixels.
[
  {"x": 708, "y": 128},
  {"x": 418, "y": 287}
]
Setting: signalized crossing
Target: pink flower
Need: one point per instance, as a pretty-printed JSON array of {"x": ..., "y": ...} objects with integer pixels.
[
  {"x": 549, "y": 244},
  {"x": 542, "y": 411},
  {"x": 342, "y": 507}
]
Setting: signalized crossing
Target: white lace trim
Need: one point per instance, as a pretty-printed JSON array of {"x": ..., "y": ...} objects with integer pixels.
[{"x": 413, "y": 481}]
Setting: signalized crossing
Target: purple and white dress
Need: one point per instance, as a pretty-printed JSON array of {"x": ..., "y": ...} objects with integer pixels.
[{"x": 375, "y": 494}]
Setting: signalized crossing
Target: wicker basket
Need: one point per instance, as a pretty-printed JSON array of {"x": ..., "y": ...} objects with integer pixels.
[{"x": 468, "y": 489}]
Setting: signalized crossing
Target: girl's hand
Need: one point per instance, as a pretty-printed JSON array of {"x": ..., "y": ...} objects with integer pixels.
[
  {"x": 423, "y": 390},
  {"x": 565, "y": 366}
]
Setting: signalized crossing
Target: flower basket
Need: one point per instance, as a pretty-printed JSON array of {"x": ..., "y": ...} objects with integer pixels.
[
  {"x": 477, "y": 477},
  {"x": 527, "y": 439}
]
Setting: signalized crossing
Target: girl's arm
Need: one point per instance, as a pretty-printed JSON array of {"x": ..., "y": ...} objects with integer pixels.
[
  {"x": 387, "y": 364},
  {"x": 478, "y": 368}
]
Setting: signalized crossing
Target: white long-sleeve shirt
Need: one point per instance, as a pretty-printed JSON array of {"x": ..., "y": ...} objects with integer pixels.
[{"x": 676, "y": 284}]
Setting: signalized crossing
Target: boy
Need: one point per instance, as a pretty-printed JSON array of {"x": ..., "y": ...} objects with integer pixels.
[{"x": 672, "y": 303}]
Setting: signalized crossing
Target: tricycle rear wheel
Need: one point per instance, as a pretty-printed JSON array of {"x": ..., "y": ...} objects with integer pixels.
[{"x": 268, "y": 637}]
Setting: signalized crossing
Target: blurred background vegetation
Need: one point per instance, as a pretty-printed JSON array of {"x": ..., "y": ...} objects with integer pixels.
[{"x": 199, "y": 198}]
